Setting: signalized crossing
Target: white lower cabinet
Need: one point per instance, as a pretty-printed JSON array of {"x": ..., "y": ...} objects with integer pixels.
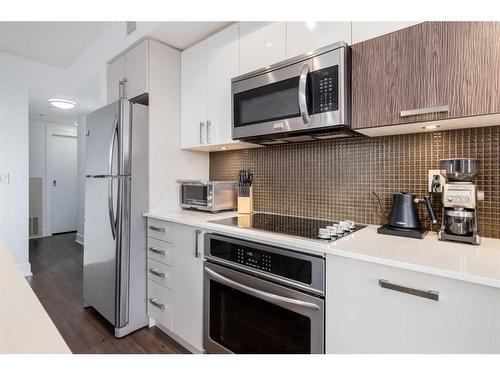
[
  {"x": 175, "y": 281},
  {"x": 364, "y": 317}
]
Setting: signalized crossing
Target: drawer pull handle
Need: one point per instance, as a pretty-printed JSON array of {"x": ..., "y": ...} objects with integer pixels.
[
  {"x": 155, "y": 272},
  {"x": 424, "y": 111},
  {"x": 155, "y": 303},
  {"x": 157, "y": 229},
  {"x": 429, "y": 294},
  {"x": 156, "y": 251}
]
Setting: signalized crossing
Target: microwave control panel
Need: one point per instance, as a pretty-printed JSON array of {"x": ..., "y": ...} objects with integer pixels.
[{"x": 325, "y": 89}]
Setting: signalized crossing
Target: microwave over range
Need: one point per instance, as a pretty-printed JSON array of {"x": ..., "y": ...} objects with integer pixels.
[{"x": 300, "y": 99}]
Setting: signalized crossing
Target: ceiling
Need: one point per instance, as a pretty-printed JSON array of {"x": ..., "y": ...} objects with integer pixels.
[
  {"x": 54, "y": 43},
  {"x": 182, "y": 35}
]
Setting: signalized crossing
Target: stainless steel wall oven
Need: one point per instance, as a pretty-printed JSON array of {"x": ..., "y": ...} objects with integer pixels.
[{"x": 261, "y": 299}]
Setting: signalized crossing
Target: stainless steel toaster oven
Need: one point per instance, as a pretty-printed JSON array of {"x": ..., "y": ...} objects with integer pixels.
[{"x": 211, "y": 196}]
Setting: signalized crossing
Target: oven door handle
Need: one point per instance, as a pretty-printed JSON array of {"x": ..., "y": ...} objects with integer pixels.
[
  {"x": 266, "y": 296},
  {"x": 302, "y": 94}
]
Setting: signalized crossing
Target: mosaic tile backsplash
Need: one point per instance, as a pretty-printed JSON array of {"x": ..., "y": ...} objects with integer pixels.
[{"x": 334, "y": 179}]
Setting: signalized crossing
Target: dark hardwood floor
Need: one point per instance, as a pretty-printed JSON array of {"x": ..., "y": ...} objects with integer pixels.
[{"x": 57, "y": 266}]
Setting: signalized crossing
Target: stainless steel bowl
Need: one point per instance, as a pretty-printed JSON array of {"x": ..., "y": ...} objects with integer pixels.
[{"x": 460, "y": 170}]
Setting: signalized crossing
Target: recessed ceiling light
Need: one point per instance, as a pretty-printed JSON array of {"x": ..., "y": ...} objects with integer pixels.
[
  {"x": 62, "y": 103},
  {"x": 75, "y": 123},
  {"x": 223, "y": 148},
  {"x": 269, "y": 44},
  {"x": 428, "y": 127}
]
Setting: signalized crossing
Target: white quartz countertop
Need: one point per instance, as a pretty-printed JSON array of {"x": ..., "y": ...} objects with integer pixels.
[
  {"x": 25, "y": 327},
  {"x": 476, "y": 264}
]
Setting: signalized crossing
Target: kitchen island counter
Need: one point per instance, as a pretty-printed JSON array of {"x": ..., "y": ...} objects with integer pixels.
[{"x": 25, "y": 326}]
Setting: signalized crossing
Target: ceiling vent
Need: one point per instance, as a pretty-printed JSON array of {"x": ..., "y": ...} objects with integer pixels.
[{"x": 131, "y": 26}]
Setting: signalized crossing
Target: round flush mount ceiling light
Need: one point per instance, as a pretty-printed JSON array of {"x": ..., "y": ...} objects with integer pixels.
[{"x": 62, "y": 103}]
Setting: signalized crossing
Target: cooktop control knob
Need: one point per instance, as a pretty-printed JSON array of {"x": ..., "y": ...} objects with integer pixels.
[
  {"x": 333, "y": 231},
  {"x": 350, "y": 224},
  {"x": 324, "y": 234}
]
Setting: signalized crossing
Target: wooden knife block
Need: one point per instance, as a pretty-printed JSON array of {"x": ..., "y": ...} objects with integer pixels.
[{"x": 245, "y": 204}]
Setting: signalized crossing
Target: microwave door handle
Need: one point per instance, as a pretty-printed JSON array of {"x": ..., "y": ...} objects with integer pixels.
[
  {"x": 302, "y": 94},
  {"x": 266, "y": 296}
]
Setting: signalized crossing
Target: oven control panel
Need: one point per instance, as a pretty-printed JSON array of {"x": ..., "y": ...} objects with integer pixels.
[{"x": 255, "y": 259}]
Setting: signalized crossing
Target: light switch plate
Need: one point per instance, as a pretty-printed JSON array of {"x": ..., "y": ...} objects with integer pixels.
[
  {"x": 435, "y": 174},
  {"x": 4, "y": 178}
]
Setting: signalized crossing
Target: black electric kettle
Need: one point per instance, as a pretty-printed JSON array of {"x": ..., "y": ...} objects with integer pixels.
[{"x": 404, "y": 212}]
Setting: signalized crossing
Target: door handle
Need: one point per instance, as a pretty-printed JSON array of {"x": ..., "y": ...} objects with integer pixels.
[
  {"x": 266, "y": 296},
  {"x": 202, "y": 124},
  {"x": 54, "y": 183},
  {"x": 155, "y": 272},
  {"x": 209, "y": 126},
  {"x": 424, "y": 111},
  {"x": 302, "y": 94},
  {"x": 111, "y": 211},
  {"x": 155, "y": 303},
  {"x": 156, "y": 251},
  {"x": 429, "y": 294},
  {"x": 197, "y": 233},
  {"x": 157, "y": 229}
]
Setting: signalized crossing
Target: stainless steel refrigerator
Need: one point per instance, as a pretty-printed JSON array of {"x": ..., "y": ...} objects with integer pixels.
[{"x": 116, "y": 195}]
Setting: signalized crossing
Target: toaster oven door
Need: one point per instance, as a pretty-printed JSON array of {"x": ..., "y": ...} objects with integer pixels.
[{"x": 194, "y": 195}]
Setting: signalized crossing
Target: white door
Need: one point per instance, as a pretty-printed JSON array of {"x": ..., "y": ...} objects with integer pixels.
[{"x": 63, "y": 181}]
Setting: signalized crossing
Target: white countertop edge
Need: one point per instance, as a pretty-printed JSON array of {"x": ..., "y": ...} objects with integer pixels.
[{"x": 200, "y": 220}]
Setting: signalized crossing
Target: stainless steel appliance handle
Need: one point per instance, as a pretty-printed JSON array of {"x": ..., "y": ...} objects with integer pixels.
[
  {"x": 209, "y": 126},
  {"x": 197, "y": 233},
  {"x": 424, "y": 111},
  {"x": 156, "y": 251},
  {"x": 266, "y": 296},
  {"x": 111, "y": 211},
  {"x": 202, "y": 124},
  {"x": 302, "y": 94},
  {"x": 157, "y": 229},
  {"x": 429, "y": 294},
  {"x": 155, "y": 272},
  {"x": 155, "y": 303}
]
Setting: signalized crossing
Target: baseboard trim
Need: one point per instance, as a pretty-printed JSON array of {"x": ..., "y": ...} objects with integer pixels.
[
  {"x": 79, "y": 238},
  {"x": 25, "y": 269}
]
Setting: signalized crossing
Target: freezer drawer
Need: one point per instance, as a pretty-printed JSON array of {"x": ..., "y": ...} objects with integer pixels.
[
  {"x": 160, "y": 304},
  {"x": 160, "y": 251},
  {"x": 160, "y": 273},
  {"x": 161, "y": 230}
]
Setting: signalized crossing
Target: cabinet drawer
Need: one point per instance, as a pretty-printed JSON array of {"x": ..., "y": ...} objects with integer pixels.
[
  {"x": 160, "y": 251},
  {"x": 160, "y": 304},
  {"x": 159, "y": 272},
  {"x": 373, "y": 308},
  {"x": 159, "y": 229}
]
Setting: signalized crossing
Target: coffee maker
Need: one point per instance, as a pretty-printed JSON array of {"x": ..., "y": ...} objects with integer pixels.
[{"x": 460, "y": 196}]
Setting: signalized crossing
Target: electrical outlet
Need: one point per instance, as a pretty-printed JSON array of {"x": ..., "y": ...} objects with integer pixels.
[
  {"x": 4, "y": 178},
  {"x": 435, "y": 181}
]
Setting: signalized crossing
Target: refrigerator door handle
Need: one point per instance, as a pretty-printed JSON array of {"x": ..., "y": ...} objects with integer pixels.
[{"x": 111, "y": 211}]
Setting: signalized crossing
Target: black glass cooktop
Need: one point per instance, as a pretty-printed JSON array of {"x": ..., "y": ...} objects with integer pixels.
[{"x": 289, "y": 225}]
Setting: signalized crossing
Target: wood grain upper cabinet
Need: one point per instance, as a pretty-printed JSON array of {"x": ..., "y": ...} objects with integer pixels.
[{"x": 430, "y": 71}]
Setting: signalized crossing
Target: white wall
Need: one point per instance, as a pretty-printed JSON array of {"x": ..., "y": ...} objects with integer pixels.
[
  {"x": 17, "y": 75},
  {"x": 38, "y": 159}
]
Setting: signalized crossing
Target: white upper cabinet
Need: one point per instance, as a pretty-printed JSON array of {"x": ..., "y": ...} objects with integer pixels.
[
  {"x": 222, "y": 62},
  {"x": 362, "y": 31},
  {"x": 261, "y": 44},
  {"x": 132, "y": 66},
  {"x": 116, "y": 73},
  {"x": 137, "y": 70},
  {"x": 207, "y": 69},
  {"x": 193, "y": 97},
  {"x": 302, "y": 37}
]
